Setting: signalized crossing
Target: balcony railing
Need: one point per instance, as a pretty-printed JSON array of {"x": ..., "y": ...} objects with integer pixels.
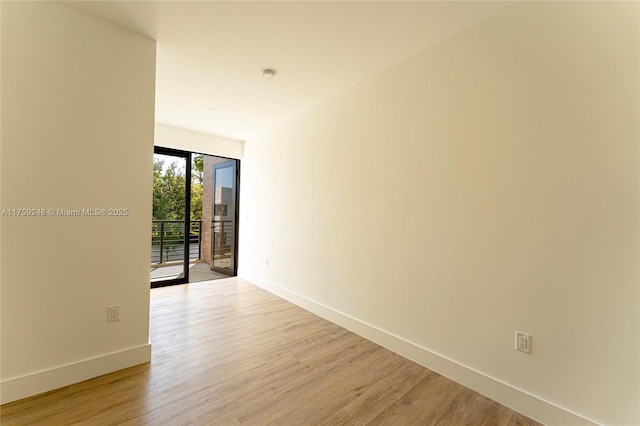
[{"x": 168, "y": 239}]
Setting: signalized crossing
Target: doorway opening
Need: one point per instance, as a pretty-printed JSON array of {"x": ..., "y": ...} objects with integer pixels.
[{"x": 191, "y": 240}]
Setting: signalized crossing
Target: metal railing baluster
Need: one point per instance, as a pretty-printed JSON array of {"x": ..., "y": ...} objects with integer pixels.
[
  {"x": 171, "y": 234},
  {"x": 161, "y": 239}
]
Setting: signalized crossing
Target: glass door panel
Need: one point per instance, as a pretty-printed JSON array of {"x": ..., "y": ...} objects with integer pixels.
[
  {"x": 169, "y": 242},
  {"x": 223, "y": 223}
]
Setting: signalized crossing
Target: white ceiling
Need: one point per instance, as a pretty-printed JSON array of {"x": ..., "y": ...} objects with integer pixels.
[{"x": 211, "y": 54}]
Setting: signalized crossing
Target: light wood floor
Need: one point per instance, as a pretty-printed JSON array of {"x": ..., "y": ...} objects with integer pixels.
[{"x": 228, "y": 353}]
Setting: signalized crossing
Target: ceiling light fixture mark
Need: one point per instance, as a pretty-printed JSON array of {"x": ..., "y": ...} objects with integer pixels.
[{"x": 268, "y": 74}]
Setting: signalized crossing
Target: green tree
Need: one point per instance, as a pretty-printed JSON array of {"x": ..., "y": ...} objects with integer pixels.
[
  {"x": 169, "y": 198},
  {"x": 168, "y": 191},
  {"x": 159, "y": 205},
  {"x": 197, "y": 179}
]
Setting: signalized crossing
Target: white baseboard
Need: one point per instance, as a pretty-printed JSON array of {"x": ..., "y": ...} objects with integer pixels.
[
  {"x": 518, "y": 400},
  {"x": 53, "y": 378}
]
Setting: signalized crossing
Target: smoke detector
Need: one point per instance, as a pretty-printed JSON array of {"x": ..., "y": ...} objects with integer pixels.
[{"x": 268, "y": 74}]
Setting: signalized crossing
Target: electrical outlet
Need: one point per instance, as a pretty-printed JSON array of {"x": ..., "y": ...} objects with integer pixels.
[
  {"x": 523, "y": 342},
  {"x": 113, "y": 313}
]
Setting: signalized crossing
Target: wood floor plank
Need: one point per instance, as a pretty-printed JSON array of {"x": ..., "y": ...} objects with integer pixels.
[{"x": 228, "y": 353}]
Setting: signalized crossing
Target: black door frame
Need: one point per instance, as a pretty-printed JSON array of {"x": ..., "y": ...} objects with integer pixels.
[
  {"x": 237, "y": 230},
  {"x": 187, "y": 214},
  {"x": 236, "y": 215}
]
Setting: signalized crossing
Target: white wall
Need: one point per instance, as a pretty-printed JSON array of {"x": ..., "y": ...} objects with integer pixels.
[
  {"x": 186, "y": 140},
  {"x": 488, "y": 184},
  {"x": 77, "y": 132}
]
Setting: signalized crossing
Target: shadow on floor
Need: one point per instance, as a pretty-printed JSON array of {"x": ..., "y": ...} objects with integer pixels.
[
  {"x": 197, "y": 272},
  {"x": 202, "y": 272}
]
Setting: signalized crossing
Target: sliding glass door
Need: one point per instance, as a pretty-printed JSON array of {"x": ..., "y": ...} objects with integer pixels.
[{"x": 194, "y": 229}]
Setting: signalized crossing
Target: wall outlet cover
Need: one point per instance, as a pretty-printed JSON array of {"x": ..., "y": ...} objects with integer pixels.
[
  {"x": 113, "y": 313},
  {"x": 523, "y": 342}
]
